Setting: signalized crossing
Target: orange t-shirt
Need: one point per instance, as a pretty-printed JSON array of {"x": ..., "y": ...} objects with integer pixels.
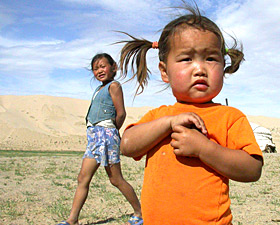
[{"x": 183, "y": 190}]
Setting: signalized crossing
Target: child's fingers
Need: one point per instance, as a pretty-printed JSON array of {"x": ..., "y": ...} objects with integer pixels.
[
  {"x": 176, "y": 147},
  {"x": 177, "y": 152},
  {"x": 178, "y": 142},
  {"x": 198, "y": 122},
  {"x": 175, "y": 135},
  {"x": 201, "y": 125},
  {"x": 177, "y": 129},
  {"x": 189, "y": 120},
  {"x": 186, "y": 141}
]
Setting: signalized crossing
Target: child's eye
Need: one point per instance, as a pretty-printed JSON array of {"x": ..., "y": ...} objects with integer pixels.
[
  {"x": 187, "y": 59},
  {"x": 211, "y": 59}
]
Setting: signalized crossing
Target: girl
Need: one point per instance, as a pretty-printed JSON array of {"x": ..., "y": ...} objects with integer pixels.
[
  {"x": 195, "y": 146},
  {"x": 105, "y": 117}
]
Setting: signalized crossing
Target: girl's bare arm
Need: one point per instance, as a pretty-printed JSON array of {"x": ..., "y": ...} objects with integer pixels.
[
  {"x": 139, "y": 139},
  {"x": 237, "y": 165},
  {"x": 118, "y": 101}
]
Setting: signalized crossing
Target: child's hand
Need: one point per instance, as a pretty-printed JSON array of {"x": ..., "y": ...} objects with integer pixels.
[
  {"x": 189, "y": 120},
  {"x": 187, "y": 130},
  {"x": 188, "y": 142}
]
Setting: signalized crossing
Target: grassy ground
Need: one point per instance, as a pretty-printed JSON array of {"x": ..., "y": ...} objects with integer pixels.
[{"x": 37, "y": 188}]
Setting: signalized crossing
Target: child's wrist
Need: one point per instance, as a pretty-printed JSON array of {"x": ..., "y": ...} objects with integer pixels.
[
  {"x": 168, "y": 120},
  {"x": 207, "y": 149}
]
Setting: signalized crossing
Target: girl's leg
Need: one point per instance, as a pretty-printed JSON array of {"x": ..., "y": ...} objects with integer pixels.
[
  {"x": 116, "y": 179},
  {"x": 89, "y": 167}
]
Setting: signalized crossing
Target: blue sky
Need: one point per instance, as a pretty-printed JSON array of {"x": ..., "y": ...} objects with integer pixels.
[{"x": 46, "y": 47}]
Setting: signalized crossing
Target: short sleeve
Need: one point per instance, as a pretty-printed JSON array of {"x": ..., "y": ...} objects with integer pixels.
[
  {"x": 149, "y": 116},
  {"x": 241, "y": 136}
]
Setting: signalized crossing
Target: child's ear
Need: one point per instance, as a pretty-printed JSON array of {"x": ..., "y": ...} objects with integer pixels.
[
  {"x": 162, "y": 68},
  {"x": 115, "y": 68}
]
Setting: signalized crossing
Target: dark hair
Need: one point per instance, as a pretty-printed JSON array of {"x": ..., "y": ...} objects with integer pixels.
[
  {"x": 103, "y": 55},
  {"x": 136, "y": 49}
]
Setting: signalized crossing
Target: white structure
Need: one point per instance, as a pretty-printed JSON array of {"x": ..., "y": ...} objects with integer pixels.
[{"x": 264, "y": 138}]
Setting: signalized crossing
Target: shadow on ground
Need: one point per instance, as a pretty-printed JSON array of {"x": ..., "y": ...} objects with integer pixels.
[{"x": 111, "y": 219}]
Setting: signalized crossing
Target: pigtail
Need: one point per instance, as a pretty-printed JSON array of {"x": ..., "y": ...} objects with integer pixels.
[
  {"x": 135, "y": 50},
  {"x": 236, "y": 57}
]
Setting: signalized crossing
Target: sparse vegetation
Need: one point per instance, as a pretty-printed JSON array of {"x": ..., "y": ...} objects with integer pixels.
[{"x": 37, "y": 187}]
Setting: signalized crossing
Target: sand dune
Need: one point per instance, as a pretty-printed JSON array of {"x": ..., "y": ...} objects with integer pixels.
[{"x": 57, "y": 123}]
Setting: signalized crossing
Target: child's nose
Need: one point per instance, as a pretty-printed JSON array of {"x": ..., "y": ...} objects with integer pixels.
[
  {"x": 199, "y": 69},
  {"x": 99, "y": 70}
]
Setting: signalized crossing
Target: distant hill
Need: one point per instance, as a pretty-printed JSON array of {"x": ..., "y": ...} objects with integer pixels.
[{"x": 41, "y": 122}]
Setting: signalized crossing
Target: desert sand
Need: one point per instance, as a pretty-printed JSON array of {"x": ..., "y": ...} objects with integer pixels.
[
  {"x": 40, "y": 189},
  {"x": 58, "y": 123}
]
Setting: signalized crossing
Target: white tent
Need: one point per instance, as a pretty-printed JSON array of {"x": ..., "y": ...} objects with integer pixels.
[{"x": 264, "y": 138}]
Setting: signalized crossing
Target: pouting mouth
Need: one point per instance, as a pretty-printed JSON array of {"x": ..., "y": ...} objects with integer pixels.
[{"x": 200, "y": 82}]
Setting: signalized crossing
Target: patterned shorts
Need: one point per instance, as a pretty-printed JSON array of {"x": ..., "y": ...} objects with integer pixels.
[{"x": 103, "y": 145}]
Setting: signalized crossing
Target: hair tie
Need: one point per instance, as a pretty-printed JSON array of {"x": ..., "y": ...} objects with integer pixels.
[{"x": 155, "y": 45}]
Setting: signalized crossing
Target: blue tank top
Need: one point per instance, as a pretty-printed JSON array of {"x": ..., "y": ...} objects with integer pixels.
[{"x": 102, "y": 106}]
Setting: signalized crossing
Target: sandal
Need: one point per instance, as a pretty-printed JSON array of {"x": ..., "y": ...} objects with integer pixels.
[
  {"x": 63, "y": 223},
  {"x": 135, "y": 220}
]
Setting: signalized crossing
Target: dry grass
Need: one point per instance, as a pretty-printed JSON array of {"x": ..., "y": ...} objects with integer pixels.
[{"x": 38, "y": 188}]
